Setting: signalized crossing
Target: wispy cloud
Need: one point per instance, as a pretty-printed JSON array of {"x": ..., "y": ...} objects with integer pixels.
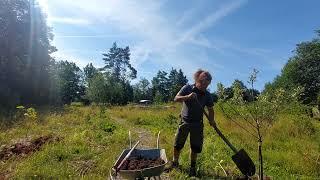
[
  {"x": 88, "y": 36},
  {"x": 67, "y": 20},
  {"x": 139, "y": 54},
  {"x": 227, "y": 46},
  {"x": 81, "y": 51},
  {"x": 212, "y": 19},
  {"x": 79, "y": 57},
  {"x": 188, "y": 15},
  {"x": 69, "y": 56},
  {"x": 157, "y": 37},
  {"x": 44, "y": 5}
]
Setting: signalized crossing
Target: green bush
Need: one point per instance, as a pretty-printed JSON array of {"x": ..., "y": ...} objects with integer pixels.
[
  {"x": 305, "y": 125},
  {"x": 171, "y": 119},
  {"x": 29, "y": 113},
  {"x": 140, "y": 121},
  {"x": 77, "y": 104},
  {"x": 107, "y": 127}
]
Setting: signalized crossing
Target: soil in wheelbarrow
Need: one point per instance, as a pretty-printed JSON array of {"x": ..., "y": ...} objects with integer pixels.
[{"x": 136, "y": 163}]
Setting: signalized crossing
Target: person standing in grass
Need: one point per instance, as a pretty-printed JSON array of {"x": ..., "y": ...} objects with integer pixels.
[{"x": 194, "y": 98}]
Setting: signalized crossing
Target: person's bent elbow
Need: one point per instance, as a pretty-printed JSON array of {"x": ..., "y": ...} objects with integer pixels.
[{"x": 179, "y": 98}]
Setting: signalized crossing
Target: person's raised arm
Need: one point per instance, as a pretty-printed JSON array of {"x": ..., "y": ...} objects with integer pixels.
[
  {"x": 180, "y": 98},
  {"x": 184, "y": 94}
]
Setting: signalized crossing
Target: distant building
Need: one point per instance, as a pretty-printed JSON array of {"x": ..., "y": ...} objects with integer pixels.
[{"x": 145, "y": 102}]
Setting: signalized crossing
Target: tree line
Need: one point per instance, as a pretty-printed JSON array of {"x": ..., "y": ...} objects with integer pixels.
[
  {"x": 30, "y": 75},
  {"x": 299, "y": 80},
  {"x": 112, "y": 83},
  {"x": 301, "y": 74}
]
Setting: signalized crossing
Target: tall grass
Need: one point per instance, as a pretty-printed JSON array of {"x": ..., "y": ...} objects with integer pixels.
[
  {"x": 91, "y": 139},
  {"x": 291, "y": 142},
  {"x": 89, "y": 144}
]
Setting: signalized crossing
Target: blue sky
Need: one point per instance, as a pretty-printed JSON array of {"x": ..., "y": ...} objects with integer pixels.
[{"x": 226, "y": 37}]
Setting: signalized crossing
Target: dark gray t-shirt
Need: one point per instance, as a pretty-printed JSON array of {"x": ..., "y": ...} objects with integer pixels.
[{"x": 191, "y": 112}]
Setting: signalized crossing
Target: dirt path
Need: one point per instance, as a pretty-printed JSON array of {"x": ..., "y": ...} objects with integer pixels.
[{"x": 147, "y": 139}]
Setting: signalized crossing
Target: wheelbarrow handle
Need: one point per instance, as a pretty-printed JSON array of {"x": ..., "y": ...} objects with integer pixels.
[
  {"x": 126, "y": 157},
  {"x": 130, "y": 139},
  {"x": 158, "y": 139}
]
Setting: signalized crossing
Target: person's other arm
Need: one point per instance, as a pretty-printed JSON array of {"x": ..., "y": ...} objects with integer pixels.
[{"x": 211, "y": 116}]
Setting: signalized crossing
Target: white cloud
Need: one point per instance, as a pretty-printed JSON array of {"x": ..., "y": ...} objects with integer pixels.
[
  {"x": 158, "y": 35},
  {"x": 68, "y": 20},
  {"x": 88, "y": 36},
  {"x": 44, "y": 5},
  {"x": 69, "y": 56},
  {"x": 211, "y": 19},
  {"x": 139, "y": 54},
  {"x": 226, "y": 46}
]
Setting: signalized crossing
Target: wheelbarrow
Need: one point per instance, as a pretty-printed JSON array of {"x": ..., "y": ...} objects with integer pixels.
[{"x": 155, "y": 171}]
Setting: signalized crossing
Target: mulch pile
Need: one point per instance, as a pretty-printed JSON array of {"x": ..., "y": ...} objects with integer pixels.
[
  {"x": 25, "y": 147},
  {"x": 136, "y": 163}
]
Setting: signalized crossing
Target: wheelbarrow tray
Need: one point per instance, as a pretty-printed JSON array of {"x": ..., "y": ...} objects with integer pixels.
[{"x": 146, "y": 172}]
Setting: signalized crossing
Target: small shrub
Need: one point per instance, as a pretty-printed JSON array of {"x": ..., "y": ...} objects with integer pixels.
[
  {"x": 87, "y": 118},
  {"x": 31, "y": 114},
  {"x": 107, "y": 127},
  {"x": 304, "y": 125},
  {"x": 171, "y": 119},
  {"x": 140, "y": 121},
  {"x": 77, "y": 104},
  {"x": 102, "y": 113}
]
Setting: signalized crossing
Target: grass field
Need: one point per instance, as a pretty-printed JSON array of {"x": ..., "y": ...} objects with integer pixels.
[{"x": 92, "y": 137}]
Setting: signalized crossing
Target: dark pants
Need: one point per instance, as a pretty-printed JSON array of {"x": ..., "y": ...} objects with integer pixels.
[{"x": 196, "y": 136}]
